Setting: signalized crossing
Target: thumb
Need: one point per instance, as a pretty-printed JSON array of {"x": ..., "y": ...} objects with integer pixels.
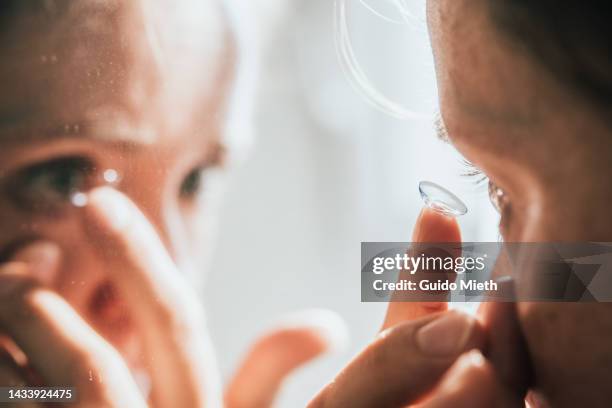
[{"x": 297, "y": 339}]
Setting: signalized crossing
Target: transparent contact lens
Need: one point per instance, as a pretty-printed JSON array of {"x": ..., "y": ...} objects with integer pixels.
[{"x": 441, "y": 200}]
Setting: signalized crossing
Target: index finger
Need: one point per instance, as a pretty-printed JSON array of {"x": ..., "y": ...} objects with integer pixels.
[
  {"x": 169, "y": 316},
  {"x": 431, "y": 227},
  {"x": 137, "y": 260}
]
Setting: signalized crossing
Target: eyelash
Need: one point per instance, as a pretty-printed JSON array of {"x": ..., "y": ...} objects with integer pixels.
[
  {"x": 46, "y": 187},
  {"x": 192, "y": 183},
  {"x": 473, "y": 173},
  {"x": 497, "y": 196}
]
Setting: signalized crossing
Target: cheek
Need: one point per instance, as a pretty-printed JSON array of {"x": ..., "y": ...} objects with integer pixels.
[
  {"x": 557, "y": 214},
  {"x": 569, "y": 349}
]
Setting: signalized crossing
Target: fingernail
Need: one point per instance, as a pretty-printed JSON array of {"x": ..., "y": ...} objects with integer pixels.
[
  {"x": 42, "y": 258},
  {"x": 444, "y": 336},
  {"x": 111, "y": 206}
]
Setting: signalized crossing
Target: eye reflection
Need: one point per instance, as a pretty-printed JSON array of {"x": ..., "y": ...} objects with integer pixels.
[
  {"x": 192, "y": 183},
  {"x": 49, "y": 186}
]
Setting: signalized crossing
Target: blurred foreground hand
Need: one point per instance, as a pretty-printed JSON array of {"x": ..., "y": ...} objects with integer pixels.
[{"x": 45, "y": 341}]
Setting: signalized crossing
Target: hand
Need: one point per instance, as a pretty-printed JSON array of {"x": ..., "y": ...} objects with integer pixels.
[
  {"x": 432, "y": 357},
  {"x": 46, "y": 342}
]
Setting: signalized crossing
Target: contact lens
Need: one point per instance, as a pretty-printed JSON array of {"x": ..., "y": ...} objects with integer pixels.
[{"x": 441, "y": 200}]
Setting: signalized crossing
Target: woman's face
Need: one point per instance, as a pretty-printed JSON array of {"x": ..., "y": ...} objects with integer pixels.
[
  {"x": 132, "y": 92},
  {"x": 549, "y": 152}
]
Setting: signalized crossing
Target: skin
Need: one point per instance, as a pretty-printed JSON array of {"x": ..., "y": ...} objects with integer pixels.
[
  {"x": 549, "y": 150},
  {"x": 96, "y": 296},
  {"x": 428, "y": 356}
]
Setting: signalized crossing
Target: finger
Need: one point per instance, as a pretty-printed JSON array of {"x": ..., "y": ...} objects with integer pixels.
[
  {"x": 11, "y": 375},
  {"x": 403, "y": 363},
  {"x": 506, "y": 349},
  {"x": 274, "y": 356},
  {"x": 129, "y": 243},
  {"x": 13, "y": 359},
  {"x": 169, "y": 317},
  {"x": 472, "y": 383},
  {"x": 58, "y": 344},
  {"x": 431, "y": 227},
  {"x": 43, "y": 257}
]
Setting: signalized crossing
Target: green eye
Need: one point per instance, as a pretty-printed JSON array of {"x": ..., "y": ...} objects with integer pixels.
[{"x": 48, "y": 186}]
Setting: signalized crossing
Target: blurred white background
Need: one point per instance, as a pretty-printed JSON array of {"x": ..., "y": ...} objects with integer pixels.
[{"x": 326, "y": 172}]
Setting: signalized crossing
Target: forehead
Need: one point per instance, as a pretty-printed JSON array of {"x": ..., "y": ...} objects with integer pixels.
[{"x": 149, "y": 64}]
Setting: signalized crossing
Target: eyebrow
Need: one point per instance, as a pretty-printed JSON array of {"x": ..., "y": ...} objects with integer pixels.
[{"x": 112, "y": 131}]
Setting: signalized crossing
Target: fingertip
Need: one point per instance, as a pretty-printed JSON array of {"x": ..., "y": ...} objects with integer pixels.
[
  {"x": 433, "y": 226},
  {"x": 108, "y": 208},
  {"x": 42, "y": 259},
  {"x": 14, "y": 276}
]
